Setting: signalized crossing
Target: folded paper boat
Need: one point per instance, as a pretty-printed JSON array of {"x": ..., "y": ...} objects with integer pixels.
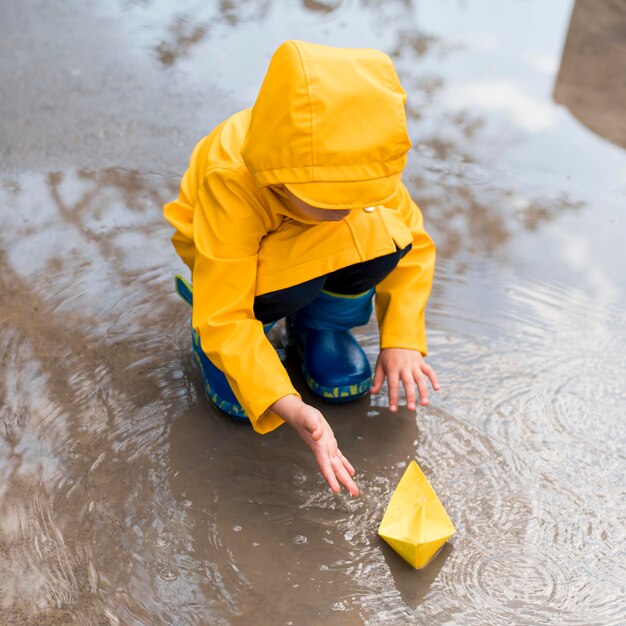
[{"x": 415, "y": 523}]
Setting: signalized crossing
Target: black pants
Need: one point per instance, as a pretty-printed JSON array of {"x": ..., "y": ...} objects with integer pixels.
[{"x": 350, "y": 280}]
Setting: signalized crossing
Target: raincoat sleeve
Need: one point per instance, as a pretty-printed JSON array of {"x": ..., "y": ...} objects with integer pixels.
[
  {"x": 401, "y": 297},
  {"x": 180, "y": 215},
  {"x": 228, "y": 225}
]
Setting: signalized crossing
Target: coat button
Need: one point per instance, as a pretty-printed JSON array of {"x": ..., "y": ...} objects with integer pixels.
[{"x": 369, "y": 209}]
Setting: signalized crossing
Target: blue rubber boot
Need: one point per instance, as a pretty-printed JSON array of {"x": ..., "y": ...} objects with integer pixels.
[
  {"x": 214, "y": 382},
  {"x": 333, "y": 363}
]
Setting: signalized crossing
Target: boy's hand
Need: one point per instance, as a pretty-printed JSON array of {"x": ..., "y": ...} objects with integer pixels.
[
  {"x": 408, "y": 367},
  {"x": 318, "y": 435}
]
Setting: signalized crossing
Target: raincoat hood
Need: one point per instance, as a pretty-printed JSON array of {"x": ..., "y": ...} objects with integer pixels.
[{"x": 329, "y": 124}]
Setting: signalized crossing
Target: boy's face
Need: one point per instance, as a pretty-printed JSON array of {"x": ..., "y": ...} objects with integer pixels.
[{"x": 313, "y": 212}]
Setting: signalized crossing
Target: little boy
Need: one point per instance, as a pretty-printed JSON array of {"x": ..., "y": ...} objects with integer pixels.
[{"x": 295, "y": 209}]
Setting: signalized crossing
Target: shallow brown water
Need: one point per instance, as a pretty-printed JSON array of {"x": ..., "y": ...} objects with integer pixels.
[{"x": 126, "y": 499}]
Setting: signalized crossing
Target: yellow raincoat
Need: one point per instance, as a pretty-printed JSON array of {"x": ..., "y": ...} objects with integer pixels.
[{"x": 329, "y": 124}]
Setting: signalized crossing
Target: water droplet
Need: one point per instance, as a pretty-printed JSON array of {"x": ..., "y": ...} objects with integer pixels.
[
  {"x": 49, "y": 545},
  {"x": 237, "y": 528},
  {"x": 187, "y": 503},
  {"x": 300, "y": 539},
  {"x": 159, "y": 542},
  {"x": 299, "y": 479},
  {"x": 338, "y": 606},
  {"x": 168, "y": 573}
]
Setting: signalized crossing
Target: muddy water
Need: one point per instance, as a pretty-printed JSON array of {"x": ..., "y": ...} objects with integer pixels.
[{"x": 126, "y": 499}]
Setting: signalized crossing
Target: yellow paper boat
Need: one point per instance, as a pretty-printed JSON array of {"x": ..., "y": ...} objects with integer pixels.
[{"x": 415, "y": 523}]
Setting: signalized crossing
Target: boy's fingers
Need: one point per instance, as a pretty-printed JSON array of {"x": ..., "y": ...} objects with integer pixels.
[
  {"x": 392, "y": 382},
  {"x": 334, "y": 472},
  {"x": 344, "y": 478},
  {"x": 314, "y": 427},
  {"x": 353, "y": 490},
  {"x": 328, "y": 472},
  {"x": 409, "y": 391},
  {"x": 430, "y": 372},
  {"x": 317, "y": 433},
  {"x": 422, "y": 387},
  {"x": 347, "y": 464},
  {"x": 379, "y": 377}
]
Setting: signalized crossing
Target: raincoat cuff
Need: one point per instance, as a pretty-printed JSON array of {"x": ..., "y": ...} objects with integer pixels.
[
  {"x": 403, "y": 341},
  {"x": 262, "y": 419}
]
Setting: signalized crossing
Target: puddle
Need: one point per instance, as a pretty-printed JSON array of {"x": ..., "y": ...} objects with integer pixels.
[{"x": 127, "y": 499}]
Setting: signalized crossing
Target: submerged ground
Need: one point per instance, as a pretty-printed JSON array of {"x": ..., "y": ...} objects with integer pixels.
[{"x": 126, "y": 499}]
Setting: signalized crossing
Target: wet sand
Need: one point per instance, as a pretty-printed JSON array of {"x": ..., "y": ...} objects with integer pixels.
[{"x": 127, "y": 499}]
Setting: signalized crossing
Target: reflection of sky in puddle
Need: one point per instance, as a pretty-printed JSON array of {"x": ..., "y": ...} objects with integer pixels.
[
  {"x": 475, "y": 58},
  {"x": 480, "y": 91},
  {"x": 79, "y": 232}
]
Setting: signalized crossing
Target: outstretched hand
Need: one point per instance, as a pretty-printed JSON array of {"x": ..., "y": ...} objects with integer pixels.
[
  {"x": 400, "y": 365},
  {"x": 315, "y": 431}
]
